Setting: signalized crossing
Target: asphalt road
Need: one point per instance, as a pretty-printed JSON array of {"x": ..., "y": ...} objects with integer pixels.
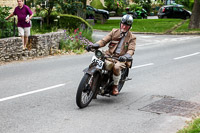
[{"x": 38, "y": 96}]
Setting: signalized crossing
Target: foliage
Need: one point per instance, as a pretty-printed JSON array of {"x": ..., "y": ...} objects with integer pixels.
[
  {"x": 74, "y": 7},
  {"x": 72, "y": 22},
  {"x": 45, "y": 29},
  {"x": 90, "y": 14},
  {"x": 193, "y": 127},
  {"x": 70, "y": 6},
  {"x": 116, "y": 5},
  {"x": 64, "y": 21},
  {"x": 46, "y": 8},
  {"x": 186, "y": 3},
  {"x": 134, "y": 7},
  {"x": 6, "y": 26},
  {"x": 76, "y": 41},
  {"x": 146, "y": 4},
  {"x": 97, "y": 4},
  {"x": 155, "y": 6},
  {"x": 30, "y": 3}
]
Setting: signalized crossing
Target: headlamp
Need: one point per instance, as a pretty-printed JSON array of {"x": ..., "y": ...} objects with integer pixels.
[{"x": 98, "y": 54}]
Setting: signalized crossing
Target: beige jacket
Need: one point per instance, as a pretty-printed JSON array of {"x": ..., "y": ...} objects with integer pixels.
[{"x": 112, "y": 39}]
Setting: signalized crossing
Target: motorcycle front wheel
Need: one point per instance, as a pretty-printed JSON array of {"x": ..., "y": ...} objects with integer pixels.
[
  {"x": 86, "y": 90},
  {"x": 124, "y": 73}
]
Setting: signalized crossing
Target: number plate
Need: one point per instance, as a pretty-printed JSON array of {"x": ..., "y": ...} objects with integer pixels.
[{"x": 99, "y": 62}]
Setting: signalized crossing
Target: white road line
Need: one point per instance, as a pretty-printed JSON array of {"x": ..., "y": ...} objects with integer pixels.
[
  {"x": 150, "y": 64},
  {"x": 185, "y": 56},
  {"x": 31, "y": 92}
]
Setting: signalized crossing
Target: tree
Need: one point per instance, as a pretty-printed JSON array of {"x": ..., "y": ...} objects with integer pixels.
[
  {"x": 74, "y": 7},
  {"x": 84, "y": 8},
  {"x": 48, "y": 5},
  {"x": 195, "y": 18},
  {"x": 84, "y": 3}
]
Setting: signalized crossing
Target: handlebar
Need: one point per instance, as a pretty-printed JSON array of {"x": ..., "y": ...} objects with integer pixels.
[
  {"x": 111, "y": 57},
  {"x": 117, "y": 58}
]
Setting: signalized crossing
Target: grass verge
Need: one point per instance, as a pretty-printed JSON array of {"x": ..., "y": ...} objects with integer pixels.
[
  {"x": 193, "y": 127},
  {"x": 184, "y": 29},
  {"x": 160, "y": 26}
]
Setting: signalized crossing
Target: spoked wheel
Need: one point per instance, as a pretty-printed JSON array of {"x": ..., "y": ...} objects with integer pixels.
[
  {"x": 86, "y": 90},
  {"x": 124, "y": 74}
]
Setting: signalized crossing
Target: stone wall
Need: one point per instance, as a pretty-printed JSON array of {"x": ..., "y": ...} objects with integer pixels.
[{"x": 11, "y": 49}]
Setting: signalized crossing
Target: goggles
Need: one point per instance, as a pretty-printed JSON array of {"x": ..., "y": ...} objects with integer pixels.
[{"x": 126, "y": 22}]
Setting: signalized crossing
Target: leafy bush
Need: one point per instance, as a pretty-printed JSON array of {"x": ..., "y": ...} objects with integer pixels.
[
  {"x": 90, "y": 14},
  {"x": 36, "y": 29},
  {"x": 146, "y": 6},
  {"x": 97, "y": 4},
  {"x": 69, "y": 6},
  {"x": 65, "y": 21},
  {"x": 71, "y": 22},
  {"x": 6, "y": 27},
  {"x": 76, "y": 41},
  {"x": 134, "y": 7},
  {"x": 116, "y": 5}
]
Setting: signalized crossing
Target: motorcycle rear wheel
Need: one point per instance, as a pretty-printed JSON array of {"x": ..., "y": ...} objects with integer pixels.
[{"x": 86, "y": 90}]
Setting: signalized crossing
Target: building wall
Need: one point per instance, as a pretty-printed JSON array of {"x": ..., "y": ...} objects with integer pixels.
[{"x": 10, "y": 3}]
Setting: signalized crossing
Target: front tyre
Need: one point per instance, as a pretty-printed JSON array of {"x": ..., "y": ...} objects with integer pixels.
[
  {"x": 124, "y": 74},
  {"x": 86, "y": 90}
]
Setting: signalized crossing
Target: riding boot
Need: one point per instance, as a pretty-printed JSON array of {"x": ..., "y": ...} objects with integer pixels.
[
  {"x": 115, "y": 86},
  {"x": 115, "y": 90}
]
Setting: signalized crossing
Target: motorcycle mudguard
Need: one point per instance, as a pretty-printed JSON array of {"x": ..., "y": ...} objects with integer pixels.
[{"x": 90, "y": 70}]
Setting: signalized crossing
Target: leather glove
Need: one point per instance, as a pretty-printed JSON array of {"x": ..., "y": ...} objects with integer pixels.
[
  {"x": 93, "y": 46},
  {"x": 124, "y": 58},
  {"x": 88, "y": 48}
]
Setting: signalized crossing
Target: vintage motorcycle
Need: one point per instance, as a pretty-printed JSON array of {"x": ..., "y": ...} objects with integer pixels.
[{"x": 97, "y": 80}]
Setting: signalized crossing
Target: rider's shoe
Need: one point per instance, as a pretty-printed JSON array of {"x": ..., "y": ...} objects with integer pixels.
[{"x": 115, "y": 90}]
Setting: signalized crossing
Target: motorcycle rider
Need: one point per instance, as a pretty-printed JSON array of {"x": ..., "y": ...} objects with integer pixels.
[{"x": 122, "y": 45}]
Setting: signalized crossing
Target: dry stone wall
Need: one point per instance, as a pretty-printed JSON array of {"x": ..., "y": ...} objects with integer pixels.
[{"x": 11, "y": 49}]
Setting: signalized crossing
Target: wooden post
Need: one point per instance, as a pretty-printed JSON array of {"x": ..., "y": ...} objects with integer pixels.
[{"x": 14, "y": 27}]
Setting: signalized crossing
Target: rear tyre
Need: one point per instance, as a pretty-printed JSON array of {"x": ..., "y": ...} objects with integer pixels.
[{"x": 86, "y": 90}]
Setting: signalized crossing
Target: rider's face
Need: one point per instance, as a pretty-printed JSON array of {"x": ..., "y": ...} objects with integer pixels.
[{"x": 124, "y": 28}]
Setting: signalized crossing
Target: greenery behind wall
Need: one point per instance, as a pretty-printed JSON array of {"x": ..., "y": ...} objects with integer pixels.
[
  {"x": 6, "y": 26},
  {"x": 186, "y": 3}
]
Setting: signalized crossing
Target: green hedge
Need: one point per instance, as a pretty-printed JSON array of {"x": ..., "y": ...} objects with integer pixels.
[
  {"x": 97, "y": 4},
  {"x": 72, "y": 22}
]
